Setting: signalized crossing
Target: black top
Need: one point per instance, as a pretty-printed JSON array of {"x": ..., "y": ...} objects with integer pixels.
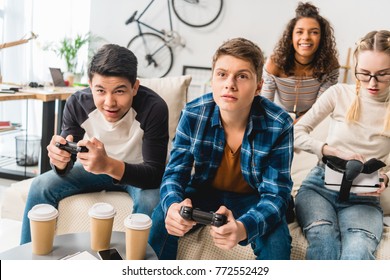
[{"x": 140, "y": 138}]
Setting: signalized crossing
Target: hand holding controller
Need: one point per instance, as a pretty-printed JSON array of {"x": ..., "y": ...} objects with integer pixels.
[
  {"x": 72, "y": 147},
  {"x": 201, "y": 217}
]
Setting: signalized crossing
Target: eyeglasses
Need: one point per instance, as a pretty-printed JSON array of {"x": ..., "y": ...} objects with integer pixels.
[{"x": 380, "y": 78}]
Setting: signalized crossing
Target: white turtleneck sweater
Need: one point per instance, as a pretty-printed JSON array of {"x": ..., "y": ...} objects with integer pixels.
[{"x": 367, "y": 137}]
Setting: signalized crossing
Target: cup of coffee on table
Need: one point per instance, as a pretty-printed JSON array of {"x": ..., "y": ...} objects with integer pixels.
[
  {"x": 137, "y": 234},
  {"x": 102, "y": 219},
  {"x": 43, "y": 225}
]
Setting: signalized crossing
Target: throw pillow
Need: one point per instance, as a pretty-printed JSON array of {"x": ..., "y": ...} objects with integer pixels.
[{"x": 174, "y": 91}]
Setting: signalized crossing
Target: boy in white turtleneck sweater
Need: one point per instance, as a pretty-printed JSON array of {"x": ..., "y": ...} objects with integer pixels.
[{"x": 359, "y": 129}]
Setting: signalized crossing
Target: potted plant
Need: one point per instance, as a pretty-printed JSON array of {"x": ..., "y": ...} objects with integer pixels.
[{"x": 68, "y": 49}]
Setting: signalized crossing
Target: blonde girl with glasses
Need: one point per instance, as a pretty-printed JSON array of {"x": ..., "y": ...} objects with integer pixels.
[{"x": 359, "y": 130}]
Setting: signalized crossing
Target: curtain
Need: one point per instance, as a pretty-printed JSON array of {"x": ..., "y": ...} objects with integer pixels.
[
  {"x": 29, "y": 62},
  {"x": 16, "y": 61}
]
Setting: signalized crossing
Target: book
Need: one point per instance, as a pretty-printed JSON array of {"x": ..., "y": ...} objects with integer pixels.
[{"x": 6, "y": 125}]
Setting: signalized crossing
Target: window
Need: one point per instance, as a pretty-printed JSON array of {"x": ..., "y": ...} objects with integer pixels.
[
  {"x": 1, "y": 19},
  {"x": 29, "y": 62}
]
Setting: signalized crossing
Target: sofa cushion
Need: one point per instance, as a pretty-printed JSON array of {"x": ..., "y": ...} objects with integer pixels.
[
  {"x": 383, "y": 250},
  {"x": 385, "y": 201},
  {"x": 14, "y": 200},
  {"x": 74, "y": 216},
  {"x": 199, "y": 245},
  {"x": 174, "y": 91}
]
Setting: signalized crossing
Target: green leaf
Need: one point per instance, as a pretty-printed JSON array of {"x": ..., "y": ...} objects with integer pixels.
[{"x": 68, "y": 49}]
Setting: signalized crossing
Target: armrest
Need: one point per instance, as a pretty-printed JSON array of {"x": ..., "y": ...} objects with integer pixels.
[{"x": 14, "y": 200}]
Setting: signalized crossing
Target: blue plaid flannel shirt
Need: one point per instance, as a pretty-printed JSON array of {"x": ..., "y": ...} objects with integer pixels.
[{"x": 266, "y": 156}]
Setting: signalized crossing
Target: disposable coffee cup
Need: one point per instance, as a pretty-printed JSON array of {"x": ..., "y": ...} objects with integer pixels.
[
  {"x": 43, "y": 225},
  {"x": 137, "y": 234},
  {"x": 102, "y": 218}
]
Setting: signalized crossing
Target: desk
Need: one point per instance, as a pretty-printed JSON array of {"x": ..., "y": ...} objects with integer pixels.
[
  {"x": 69, "y": 244},
  {"x": 48, "y": 97}
]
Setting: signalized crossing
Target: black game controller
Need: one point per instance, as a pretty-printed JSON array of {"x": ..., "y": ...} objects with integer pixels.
[
  {"x": 201, "y": 217},
  {"x": 72, "y": 147}
]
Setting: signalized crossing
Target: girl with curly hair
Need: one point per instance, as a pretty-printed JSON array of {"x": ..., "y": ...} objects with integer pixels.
[{"x": 304, "y": 63}]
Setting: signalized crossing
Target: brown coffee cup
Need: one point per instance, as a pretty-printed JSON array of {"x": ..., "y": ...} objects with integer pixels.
[
  {"x": 137, "y": 234},
  {"x": 102, "y": 220},
  {"x": 42, "y": 225}
]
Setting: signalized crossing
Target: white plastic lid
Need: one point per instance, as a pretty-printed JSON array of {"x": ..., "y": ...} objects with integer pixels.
[
  {"x": 102, "y": 210},
  {"x": 138, "y": 221},
  {"x": 42, "y": 212}
]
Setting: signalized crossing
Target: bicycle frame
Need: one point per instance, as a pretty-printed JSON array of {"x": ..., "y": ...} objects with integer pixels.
[
  {"x": 141, "y": 23},
  {"x": 153, "y": 47}
]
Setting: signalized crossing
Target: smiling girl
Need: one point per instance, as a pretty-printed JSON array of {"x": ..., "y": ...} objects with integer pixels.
[
  {"x": 304, "y": 63},
  {"x": 359, "y": 130}
]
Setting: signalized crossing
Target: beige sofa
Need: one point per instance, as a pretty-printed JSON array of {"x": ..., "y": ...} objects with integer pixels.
[{"x": 198, "y": 245}]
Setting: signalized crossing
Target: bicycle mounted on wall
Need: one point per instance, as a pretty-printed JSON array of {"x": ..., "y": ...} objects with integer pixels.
[{"x": 154, "y": 50}]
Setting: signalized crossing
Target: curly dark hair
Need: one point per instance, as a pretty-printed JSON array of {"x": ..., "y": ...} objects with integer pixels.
[{"x": 326, "y": 57}]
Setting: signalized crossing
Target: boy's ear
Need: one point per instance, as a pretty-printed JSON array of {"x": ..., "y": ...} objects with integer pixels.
[
  {"x": 259, "y": 86},
  {"x": 136, "y": 86}
]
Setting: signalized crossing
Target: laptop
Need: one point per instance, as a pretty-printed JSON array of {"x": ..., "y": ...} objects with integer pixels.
[{"x": 58, "y": 78}]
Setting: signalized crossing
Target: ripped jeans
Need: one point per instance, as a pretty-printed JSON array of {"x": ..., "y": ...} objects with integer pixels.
[{"x": 335, "y": 230}]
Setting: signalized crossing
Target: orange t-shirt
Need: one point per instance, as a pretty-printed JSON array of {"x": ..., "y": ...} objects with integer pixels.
[{"x": 229, "y": 176}]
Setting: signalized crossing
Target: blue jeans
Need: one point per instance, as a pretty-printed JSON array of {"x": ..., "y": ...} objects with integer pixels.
[
  {"x": 51, "y": 188},
  {"x": 276, "y": 245},
  {"x": 335, "y": 230}
]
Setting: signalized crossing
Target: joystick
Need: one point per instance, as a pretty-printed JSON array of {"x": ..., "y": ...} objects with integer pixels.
[
  {"x": 202, "y": 217},
  {"x": 72, "y": 147}
]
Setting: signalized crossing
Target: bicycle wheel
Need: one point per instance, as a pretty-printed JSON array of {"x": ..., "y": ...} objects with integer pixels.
[
  {"x": 197, "y": 13},
  {"x": 155, "y": 57}
]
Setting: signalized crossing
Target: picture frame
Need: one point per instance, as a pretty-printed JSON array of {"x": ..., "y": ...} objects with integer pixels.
[{"x": 200, "y": 84}]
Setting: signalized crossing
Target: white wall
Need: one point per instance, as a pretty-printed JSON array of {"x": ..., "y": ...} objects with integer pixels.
[{"x": 258, "y": 20}]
